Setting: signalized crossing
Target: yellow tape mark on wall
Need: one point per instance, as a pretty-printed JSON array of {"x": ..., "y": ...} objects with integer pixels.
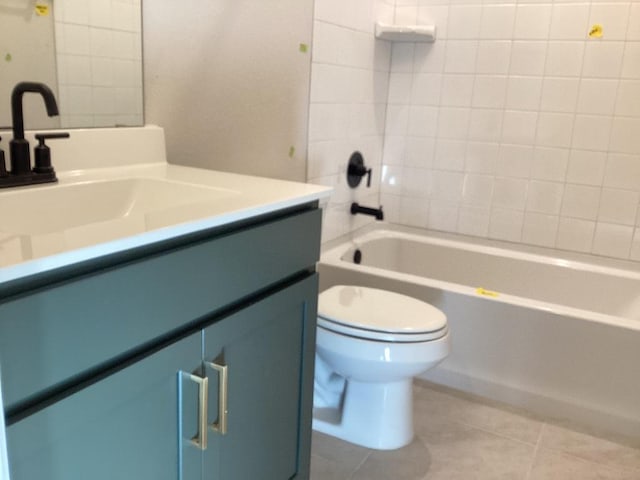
[
  {"x": 42, "y": 10},
  {"x": 596, "y": 31}
]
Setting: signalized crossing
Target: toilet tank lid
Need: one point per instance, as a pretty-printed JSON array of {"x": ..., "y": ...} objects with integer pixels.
[{"x": 379, "y": 310}]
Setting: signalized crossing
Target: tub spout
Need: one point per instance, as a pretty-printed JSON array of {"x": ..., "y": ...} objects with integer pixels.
[{"x": 374, "y": 212}]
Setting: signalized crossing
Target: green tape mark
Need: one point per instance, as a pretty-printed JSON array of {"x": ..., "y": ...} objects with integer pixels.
[
  {"x": 292, "y": 151},
  {"x": 8, "y": 57},
  {"x": 304, "y": 48}
]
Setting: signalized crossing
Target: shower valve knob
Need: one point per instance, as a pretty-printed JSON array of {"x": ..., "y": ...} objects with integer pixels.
[{"x": 357, "y": 170}]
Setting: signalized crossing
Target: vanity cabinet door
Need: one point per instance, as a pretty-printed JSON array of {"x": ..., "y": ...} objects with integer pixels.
[
  {"x": 267, "y": 352},
  {"x": 123, "y": 427}
]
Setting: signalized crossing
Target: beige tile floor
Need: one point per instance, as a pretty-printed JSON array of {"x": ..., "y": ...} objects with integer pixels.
[{"x": 459, "y": 437}]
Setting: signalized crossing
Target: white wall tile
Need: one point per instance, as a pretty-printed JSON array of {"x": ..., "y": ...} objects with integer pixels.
[
  {"x": 510, "y": 193},
  {"x": 540, "y": 229},
  {"x": 485, "y": 125},
  {"x": 453, "y": 123},
  {"x": 564, "y": 58},
  {"x": 481, "y": 157},
  {"x": 624, "y": 135},
  {"x": 429, "y": 57},
  {"x": 443, "y": 215},
  {"x": 464, "y": 22},
  {"x": 528, "y": 58},
  {"x": 447, "y": 186},
  {"x": 628, "y": 101},
  {"x": 473, "y": 220},
  {"x": 586, "y": 167},
  {"x": 523, "y": 93},
  {"x": 631, "y": 61},
  {"x": 477, "y": 190},
  {"x": 569, "y": 21},
  {"x": 554, "y": 129},
  {"x": 612, "y": 240},
  {"x": 591, "y": 132},
  {"x": 402, "y": 57},
  {"x": 633, "y": 30},
  {"x": 545, "y": 197},
  {"x": 423, "y": 121},
  {"x": 514, "y": 124},
  {"x": 559, "y": 94},
  {"x": 532, "y": 22},
  {"x": 519, "y": 127},
  {"x": 497, "y": 21},
  {"x": 437, "y": 15},
  {"x": 461, "y": 56},
  {"x": 603, "y": 59},
  {"x": 450, "y": 155},
  {"x": 597, "y": 96},
  {"x": 426, "y": 89},
  {"x": 581, "y": 201},
  {"x": 622, "y": 171},
  {"x": 489, "y": 91},
  {"x": 575, "y": 234},
  {"x": 420, "y": 152},
  {"x": 514, "y": 160},
  {"x": 457, "y": 90},
  {"x": 550, "y": 164},
  {"x": 506, "y": 224},
  {"x": 618, "y": 206},
  {"x": 400, "y": 85},
  {"x": 494, "y": 56}
]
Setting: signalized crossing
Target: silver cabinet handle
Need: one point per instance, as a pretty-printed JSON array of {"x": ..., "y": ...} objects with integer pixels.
[
  {"x": 220, "y": 426},
  {"x": 200, "y": 440}
]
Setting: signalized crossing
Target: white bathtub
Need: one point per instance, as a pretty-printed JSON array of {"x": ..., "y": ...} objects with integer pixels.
[{"x": 554, "y": 332}]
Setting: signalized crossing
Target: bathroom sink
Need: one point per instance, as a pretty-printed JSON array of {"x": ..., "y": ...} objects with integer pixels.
[{"x": 44, "y": 210}]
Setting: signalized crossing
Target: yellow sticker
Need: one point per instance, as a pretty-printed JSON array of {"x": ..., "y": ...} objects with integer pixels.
[
  {"x": 486, "y": 293},
  {"x": 596, "y": 31},
  {"x": 42, "y": 10}
]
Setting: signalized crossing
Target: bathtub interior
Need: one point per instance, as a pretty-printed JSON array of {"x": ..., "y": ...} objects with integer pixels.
[{"x": 609, "y": 291}]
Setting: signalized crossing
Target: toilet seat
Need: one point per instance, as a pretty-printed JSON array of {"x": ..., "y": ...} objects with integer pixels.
[{"x": 380, "y": 315}]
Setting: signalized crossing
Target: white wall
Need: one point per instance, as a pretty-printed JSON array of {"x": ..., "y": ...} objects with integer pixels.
[
  {"x": 349, "y": 88},
  {"x": 229, "y": 82},
  {"x": 516, "y": 125}
]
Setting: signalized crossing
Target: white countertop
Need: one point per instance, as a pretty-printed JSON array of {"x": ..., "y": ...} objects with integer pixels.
[{"x": 23, "y": 255}]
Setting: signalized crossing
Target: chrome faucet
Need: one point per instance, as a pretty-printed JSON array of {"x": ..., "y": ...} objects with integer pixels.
[{"x": 21, "y": 172}]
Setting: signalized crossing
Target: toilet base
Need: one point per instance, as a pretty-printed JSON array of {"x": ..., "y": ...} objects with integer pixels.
[{"x": 374, "y": 415}]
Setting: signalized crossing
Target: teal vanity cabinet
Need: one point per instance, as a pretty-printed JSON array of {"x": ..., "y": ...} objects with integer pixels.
[{"x": 189, "y": 360}]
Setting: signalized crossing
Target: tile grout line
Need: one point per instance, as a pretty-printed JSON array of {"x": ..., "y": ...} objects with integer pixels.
[
  {"x": 535, "y": 452},
  {"x": 351, "y": 475}
]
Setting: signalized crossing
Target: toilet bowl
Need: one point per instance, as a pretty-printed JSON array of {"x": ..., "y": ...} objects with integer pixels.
[{"x": 370, "y": 344}]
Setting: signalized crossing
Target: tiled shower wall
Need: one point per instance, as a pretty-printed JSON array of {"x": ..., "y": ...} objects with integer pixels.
[
  {"x": 349, "y": 91},
  {"x": 98, "y": 46},
  {"x": 516, "y": 125}
]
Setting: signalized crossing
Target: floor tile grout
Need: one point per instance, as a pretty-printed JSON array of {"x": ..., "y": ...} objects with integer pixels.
[{"x": 534, "y": 457}]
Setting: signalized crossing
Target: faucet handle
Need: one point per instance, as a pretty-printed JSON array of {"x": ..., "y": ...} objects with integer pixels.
[
  {"x": 42, "y": 162},
  {"x": 3, "y": 165}
]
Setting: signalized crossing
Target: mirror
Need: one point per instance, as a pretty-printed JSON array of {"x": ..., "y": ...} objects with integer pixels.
[{"x": 89, "y": 52}]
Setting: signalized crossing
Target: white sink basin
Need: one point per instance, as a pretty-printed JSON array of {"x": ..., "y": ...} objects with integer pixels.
[{"x": 56, "y": 208}]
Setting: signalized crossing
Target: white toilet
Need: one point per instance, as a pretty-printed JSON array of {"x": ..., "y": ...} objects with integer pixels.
[{"x": 370, "y": 344}]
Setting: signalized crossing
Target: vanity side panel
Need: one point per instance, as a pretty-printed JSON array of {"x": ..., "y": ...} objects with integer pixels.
[{"x": 51, "y": 337}]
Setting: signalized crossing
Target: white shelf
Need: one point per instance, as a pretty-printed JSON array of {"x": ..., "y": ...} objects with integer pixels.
[{"x": 406, "y": 33}]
